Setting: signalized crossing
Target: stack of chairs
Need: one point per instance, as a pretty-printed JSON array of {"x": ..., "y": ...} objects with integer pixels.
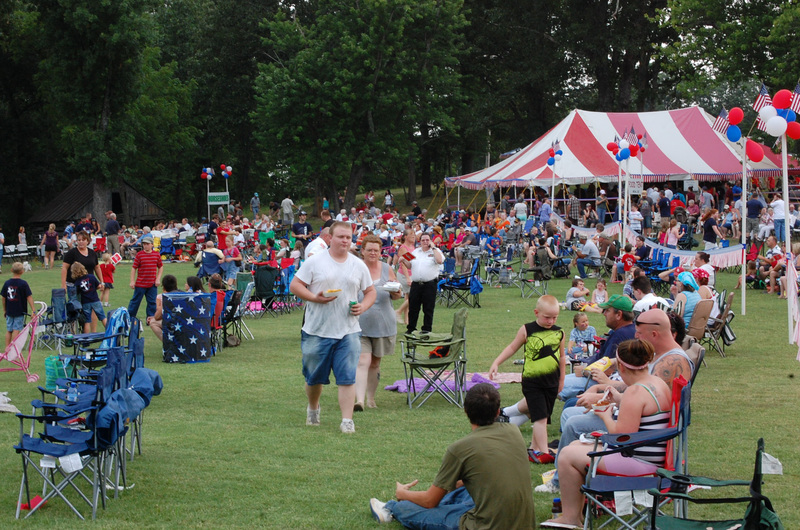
[{"x": 75, "y": 444}]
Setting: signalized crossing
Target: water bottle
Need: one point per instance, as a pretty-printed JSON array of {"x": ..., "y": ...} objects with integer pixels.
[
  {"x": 556, "y": 507},
  {"x": 72, "y": 393}
]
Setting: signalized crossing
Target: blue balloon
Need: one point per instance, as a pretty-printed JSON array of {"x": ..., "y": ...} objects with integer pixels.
[
  {"x": 551, "y": 161},
  {"x": 791, "y": 116},
  {"x": 734, "y": 133},
  {"x": 782, "y": 113},
  {"x": 625, "y": 153},
  {"x": 559, "y": 152},
  {"x": 618, "y": 156},
  {"x": 225, "y": 174}
]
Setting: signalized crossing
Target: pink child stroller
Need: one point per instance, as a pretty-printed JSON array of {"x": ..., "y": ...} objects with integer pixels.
[{"x": 15, "y": 353}]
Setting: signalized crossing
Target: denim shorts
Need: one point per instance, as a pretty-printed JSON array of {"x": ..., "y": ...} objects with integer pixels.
[
  {"x": 97, "y": 307},
  {"x": 321, "y": 355},
  {"x": 15, "y": 323}
]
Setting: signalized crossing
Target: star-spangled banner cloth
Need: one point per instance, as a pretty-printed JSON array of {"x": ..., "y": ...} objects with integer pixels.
[{"x": 187, "y": 327}]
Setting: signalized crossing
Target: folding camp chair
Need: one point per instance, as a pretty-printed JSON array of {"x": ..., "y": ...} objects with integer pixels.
[
  {"x": 55, "y": 322},
  {"x": 534, "y": 281},
  {"x": 209, "y": 265},
  {"x": 16, "y": 354},
  {"x": 237, "y": 321},
  {"x": 463, "y": 288},
  {"x": 265, "y": 280},
  {"x": 718, "y": 333},
  {"x": 168, "y": 247},
  {"x": 63, "y": 456},
  {"x": 187, "y": 327},
  {"x": 440, "y": 360},
  {"x": 500, "y": 270},
  {"x": 599, "y": 488},
  {"x": 700, "y": 316},
  {"x": 674, "y": 485}
]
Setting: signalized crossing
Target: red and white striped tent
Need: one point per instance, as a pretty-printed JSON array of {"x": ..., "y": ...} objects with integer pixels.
[{"x": 681, "y": 145}]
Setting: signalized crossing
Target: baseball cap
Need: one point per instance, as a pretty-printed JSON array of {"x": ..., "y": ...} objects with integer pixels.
[
  {"x": 620, "y": 302},
  {"x": 303, "y": 212},
  {"x": 256, "y": 194},
  {"x": 582, "y": 236},
  {"x": 147, "y": 239},
  {"x": 602, "y": 192}
]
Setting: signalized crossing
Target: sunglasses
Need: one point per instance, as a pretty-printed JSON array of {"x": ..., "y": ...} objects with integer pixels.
[{"x": 638, "y": 322}]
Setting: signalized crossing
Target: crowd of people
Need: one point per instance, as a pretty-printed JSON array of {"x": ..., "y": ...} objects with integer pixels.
[{"x": 362, "y": 260}]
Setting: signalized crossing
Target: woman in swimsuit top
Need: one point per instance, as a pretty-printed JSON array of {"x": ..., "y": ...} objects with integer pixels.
[{"x": 644, "y": 405}]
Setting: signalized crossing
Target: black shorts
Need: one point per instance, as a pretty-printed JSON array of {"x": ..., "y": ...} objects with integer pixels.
[
  {"x": 51, "y": 248},
  {"x": 540, "y": 400}
]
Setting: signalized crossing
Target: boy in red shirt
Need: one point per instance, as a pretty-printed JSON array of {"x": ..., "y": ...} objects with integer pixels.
[{"x": 144, "y": 284}]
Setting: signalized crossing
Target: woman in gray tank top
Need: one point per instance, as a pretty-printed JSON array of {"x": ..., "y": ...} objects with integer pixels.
[{"x": 378, "y": 325}]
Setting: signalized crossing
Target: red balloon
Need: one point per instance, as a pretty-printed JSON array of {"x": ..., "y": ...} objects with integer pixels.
[
  {"x": 222, "y": 167},
  {"x": 782, "y": 99},
  {"x": 203, "y": 176},
  {"x": 639, "y": 136},
  {"x": 735, "y": 116},
  {"x": 793, "y": 130},
  {"x": 611, "y": 146},
  {"x": 615, "y": 151},
  {"x": 634, "y": 150},
  {"x": 552, "y": 152},
  {"x": 754, "y": 151}
]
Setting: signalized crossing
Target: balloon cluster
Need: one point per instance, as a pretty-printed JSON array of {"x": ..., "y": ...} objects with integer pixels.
[
  {"x": 207, "y": 173},
  {"x": 779, "y": 118},
  {"x": 623, "y": 149},
  {"x": 555, "y": 156},
  {"x": 753, "y": 149}
]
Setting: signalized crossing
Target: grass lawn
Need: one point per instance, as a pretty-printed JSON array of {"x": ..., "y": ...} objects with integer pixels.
[{"x": 226, "y": 445}]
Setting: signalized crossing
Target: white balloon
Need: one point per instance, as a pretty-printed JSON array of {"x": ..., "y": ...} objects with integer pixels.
[
  {"x": 229, "y": 168},
  {"x": 557, "y": 157},
  {"x": 776, "y": 126},
  {"x": 623, "y": 144},
  {"x": 767, "y": 113},
  {"x": 209, "y": 176}
]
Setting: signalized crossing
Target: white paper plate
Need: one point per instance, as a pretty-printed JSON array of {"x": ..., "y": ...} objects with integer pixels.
[{"x": 335, "y": 294}]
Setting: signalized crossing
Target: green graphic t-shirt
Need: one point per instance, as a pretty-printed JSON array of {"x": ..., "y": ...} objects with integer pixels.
[{"x": 542, "y": 352}]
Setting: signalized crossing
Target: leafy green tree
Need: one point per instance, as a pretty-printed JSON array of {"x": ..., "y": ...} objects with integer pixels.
[{"x": 344, "y": 94}]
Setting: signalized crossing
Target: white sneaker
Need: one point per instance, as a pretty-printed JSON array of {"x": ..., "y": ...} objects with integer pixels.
[
  {"x": 347, "y": 426},
  {"x": 379, "y": 511},
  {"x": 547, "y": 487},
  {"x": 312, "y": 417}
]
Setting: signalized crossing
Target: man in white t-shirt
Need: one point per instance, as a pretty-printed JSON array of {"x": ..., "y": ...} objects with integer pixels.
[
  {"x": 643, "y": 293},
  {"x": 424, "y": 274},
  {"x": 320, "y": 244},
  {"x": 331, "y": 333}
]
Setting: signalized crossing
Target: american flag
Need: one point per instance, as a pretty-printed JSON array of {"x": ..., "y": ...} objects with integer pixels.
[
  {"x": 631, "y": 137},
  {"x": 644, "y": 140},
  {"x": 795, "y": 106},
  {"x": 721, "y": 123},
  {"x": 763, "y": 99},
  {"x": 556, "y": 145}
]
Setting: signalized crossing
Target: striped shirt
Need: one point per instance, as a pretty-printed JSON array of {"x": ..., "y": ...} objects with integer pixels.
[
  {"x": 147, "y": 265},
  {"x": 654, "y": 454}
]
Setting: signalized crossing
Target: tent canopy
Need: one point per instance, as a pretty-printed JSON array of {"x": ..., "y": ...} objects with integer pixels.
[{"x": 681, "y": 145}]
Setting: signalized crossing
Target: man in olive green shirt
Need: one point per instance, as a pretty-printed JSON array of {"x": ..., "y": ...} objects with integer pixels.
[{"x": 484, "y": 480}]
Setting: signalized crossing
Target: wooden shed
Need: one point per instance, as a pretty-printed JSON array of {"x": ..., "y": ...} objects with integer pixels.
[{"x": 83, "y": 196}]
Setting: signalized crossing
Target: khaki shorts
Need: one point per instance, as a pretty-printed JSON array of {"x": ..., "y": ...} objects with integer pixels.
[{"x": 379, "y": 346}]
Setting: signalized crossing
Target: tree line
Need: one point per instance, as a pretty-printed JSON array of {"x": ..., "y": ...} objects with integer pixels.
[{"x": 318, "y": 96}]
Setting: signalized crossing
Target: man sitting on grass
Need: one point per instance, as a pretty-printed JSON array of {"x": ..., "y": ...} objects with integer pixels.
[{"x": 486, "y": 474}]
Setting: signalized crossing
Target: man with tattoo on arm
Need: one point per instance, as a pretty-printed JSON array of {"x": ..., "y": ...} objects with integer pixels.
[{"x": 669, "y": 362}]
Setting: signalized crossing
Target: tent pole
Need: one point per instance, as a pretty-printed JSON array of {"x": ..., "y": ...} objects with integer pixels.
[
  {"x": 744, "y": 229},
  {"x": 458, "y": 206},
  {"x": 619, "y": 199},
  {"x": 786, "y": 229},
  {"x": 627, "y": 197}
]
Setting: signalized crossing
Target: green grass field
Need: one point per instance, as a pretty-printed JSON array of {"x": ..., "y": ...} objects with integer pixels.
[{"x": 226, "y": 444}]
